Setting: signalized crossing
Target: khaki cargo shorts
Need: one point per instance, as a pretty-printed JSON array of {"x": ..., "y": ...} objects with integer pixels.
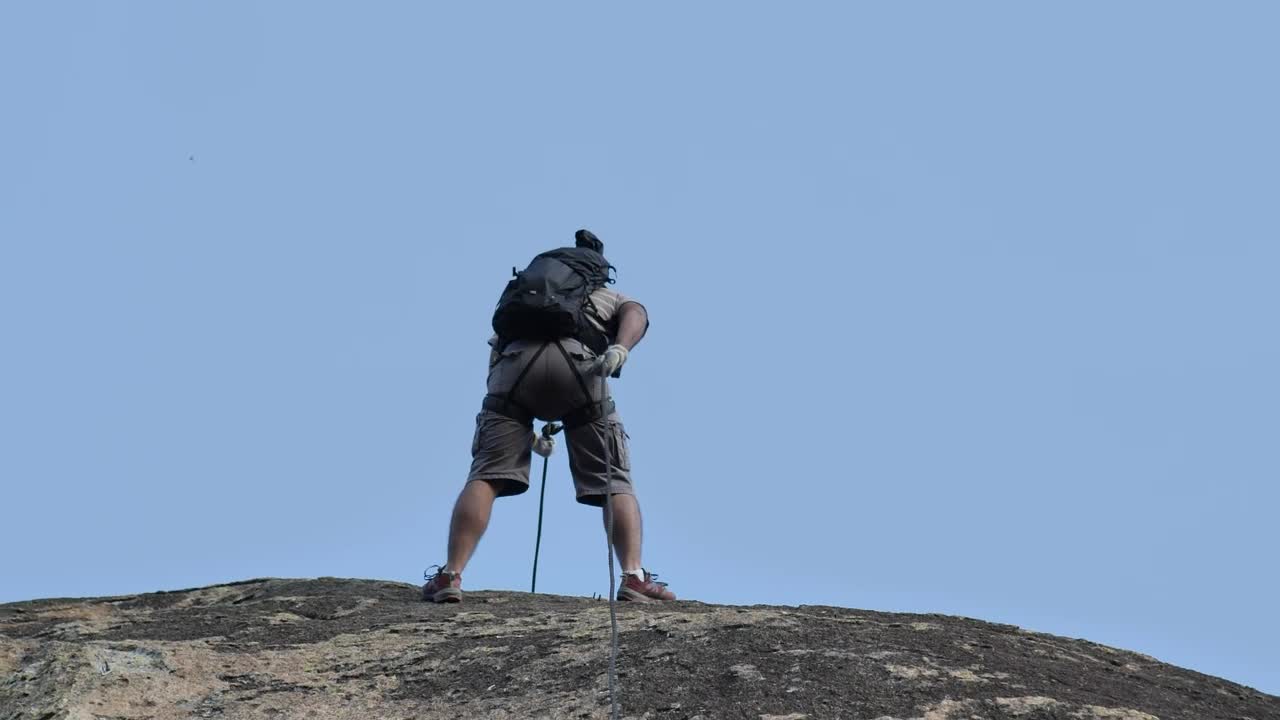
[{"x": 501, "y": 450}]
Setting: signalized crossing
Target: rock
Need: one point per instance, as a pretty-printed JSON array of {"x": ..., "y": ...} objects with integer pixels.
[{"x": 333, "y": 648}]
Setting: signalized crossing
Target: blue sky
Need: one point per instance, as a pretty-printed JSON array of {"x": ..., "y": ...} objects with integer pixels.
[{"x": 957, "y": 308}]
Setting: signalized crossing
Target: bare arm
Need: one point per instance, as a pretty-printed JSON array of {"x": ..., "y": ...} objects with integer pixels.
[{"x": 633, "y": 322}]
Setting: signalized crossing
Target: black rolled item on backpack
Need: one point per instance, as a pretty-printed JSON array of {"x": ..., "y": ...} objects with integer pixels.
[{"x": 584, "y": 238}]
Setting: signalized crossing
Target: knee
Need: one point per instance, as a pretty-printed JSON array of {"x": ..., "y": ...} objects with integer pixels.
[{"x": 478, "y": 494}]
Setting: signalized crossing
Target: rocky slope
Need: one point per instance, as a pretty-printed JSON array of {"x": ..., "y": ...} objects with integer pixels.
[{"x": 332, "y": 648}]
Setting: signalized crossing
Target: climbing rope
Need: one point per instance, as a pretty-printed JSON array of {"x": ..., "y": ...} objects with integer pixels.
[
  {"x": 608, "y": 512},
  {"x": 548, "y": 430},
  {"x": 551, "y": 429}
]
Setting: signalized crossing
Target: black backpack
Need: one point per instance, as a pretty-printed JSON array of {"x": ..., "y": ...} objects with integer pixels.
[{"x": 551, "y": 299}]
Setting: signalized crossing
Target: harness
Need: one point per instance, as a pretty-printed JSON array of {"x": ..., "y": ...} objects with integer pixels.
[{"x": 506, "y": 403}]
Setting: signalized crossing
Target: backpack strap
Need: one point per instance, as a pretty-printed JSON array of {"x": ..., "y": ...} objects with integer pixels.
[
  {"x": 597, "y": 340},
  {"x": 586, "y": 393},
  {"x": 593, "y": 410}
]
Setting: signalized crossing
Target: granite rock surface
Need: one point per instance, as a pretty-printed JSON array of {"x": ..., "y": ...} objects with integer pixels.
[{"x": 340, "y": 648}]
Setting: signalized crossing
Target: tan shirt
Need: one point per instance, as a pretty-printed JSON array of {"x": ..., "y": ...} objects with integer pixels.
[{"x": 608, "y": 303}]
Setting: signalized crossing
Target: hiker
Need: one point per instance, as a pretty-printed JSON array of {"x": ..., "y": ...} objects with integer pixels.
[{"x": 558, "y": 331}]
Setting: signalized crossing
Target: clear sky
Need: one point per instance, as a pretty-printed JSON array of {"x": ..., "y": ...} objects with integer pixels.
[{"x": 966, "y": 308}]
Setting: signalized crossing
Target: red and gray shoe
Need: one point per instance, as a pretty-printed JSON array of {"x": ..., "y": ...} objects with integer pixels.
[
  {"x": 442, "y": 586},
  {"x": 647, "y": 590}
]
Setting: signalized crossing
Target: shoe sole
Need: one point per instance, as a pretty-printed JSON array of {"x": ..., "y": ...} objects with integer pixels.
[
  {"x": 447, "y": 595},
  {"x": 629, "y": 595}
]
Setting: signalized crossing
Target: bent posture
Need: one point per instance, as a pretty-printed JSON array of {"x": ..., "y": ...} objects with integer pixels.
[{"x": 558, "y": 328}]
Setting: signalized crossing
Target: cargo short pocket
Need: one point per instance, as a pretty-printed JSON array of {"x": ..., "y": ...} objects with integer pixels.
[
  {"x": 504, "y": 367},
  {"x": 494, "y": 432},
  {"x": 619, "y": 448}
]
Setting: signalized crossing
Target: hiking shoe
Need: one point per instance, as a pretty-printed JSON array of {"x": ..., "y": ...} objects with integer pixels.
[
  {"x": 442, "y": 586},
  {"x": 647, "y": 590}
]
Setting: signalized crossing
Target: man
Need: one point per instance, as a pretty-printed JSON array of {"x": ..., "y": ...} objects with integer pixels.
[{"x": 555, "y": 376}]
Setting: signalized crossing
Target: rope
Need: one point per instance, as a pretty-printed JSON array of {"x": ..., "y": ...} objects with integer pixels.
[
  {"x": 547, "y": 431},
  {"x": 608, "y": 512}
]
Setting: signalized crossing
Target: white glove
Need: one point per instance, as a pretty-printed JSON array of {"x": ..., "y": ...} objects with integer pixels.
[
  {"x": 543, "y": 445},
  {"x": 611, "y": 361}
]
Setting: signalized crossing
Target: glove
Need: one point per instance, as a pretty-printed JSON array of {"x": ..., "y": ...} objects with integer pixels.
[
  {"x": 544, "y": 445},
  {"x": 610, "y": 363}
]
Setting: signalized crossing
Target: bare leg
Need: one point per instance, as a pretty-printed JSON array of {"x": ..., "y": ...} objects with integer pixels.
[
  {"x": 627, "y": 530},
  {"x": 470, "y": 519}
]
